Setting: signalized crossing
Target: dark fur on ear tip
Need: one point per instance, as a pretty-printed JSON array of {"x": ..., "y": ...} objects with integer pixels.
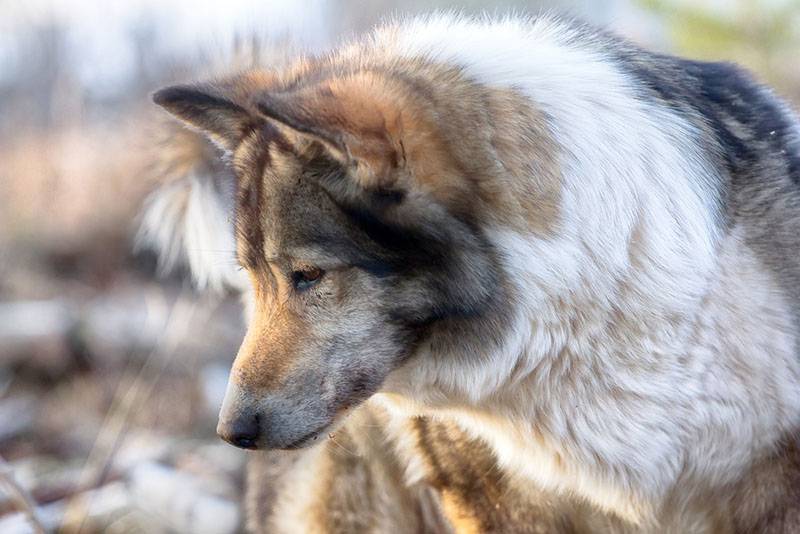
[
  {"x": 176, "y": 98},
  {"x": 202, "y": 107},
  {"x": 167, "y": 95}
]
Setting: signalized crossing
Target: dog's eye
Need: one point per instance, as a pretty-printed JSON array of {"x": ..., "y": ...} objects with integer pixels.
[{"x": 305, "y": 278}]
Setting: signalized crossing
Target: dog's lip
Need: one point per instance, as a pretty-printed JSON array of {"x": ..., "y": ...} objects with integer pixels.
[
  {"x": 303, "y": 441},
  {"x": 329, "y": 427}
]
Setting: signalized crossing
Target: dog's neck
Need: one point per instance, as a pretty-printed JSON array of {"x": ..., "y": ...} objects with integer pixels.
[{"x": 627, "y": 402}]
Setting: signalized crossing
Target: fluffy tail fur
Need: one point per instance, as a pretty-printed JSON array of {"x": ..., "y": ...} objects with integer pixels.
[{"x": 188, "y": 219}]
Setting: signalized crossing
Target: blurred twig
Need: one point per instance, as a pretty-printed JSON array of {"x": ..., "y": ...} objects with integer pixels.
[
  {"x": 135, "y": 387},
  {"x": 21, "y": 497}
]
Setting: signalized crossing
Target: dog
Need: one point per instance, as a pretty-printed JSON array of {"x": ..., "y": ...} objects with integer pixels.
[{"x": 575, "y": 256}]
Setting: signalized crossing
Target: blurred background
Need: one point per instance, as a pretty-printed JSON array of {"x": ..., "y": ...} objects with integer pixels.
[{"x": 111, "y": 376}]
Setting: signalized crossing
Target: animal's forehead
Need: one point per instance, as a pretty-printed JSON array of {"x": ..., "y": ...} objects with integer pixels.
[
  {"x": 296, "y": 210},
  {"x": 292, "y": 214},
  {"x": 284, "y": 211}
]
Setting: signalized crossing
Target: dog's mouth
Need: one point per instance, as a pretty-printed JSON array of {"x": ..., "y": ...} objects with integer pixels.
[
  {"x": 326, "y": 430},
  {"x": 307, "y": 440}
]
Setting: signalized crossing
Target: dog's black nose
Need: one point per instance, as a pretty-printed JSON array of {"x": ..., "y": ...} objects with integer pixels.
[{"x": 242, "y": 432}]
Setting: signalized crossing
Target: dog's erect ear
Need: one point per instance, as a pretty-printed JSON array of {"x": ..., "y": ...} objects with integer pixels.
[
  {"x": 205, "y": 108},
  {"x": 360, "y": 122}
]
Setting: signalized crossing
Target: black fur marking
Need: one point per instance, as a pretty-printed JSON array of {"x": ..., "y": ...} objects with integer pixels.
[
  {"x": 406, "y": 247},
  {"x": 192, "y": 100},
  {"x": 731, "y": 90},
  {"x": 716, "y": 92}
]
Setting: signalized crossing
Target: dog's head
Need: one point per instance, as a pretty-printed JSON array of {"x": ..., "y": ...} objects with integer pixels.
[{"x": 354, "y": 225}]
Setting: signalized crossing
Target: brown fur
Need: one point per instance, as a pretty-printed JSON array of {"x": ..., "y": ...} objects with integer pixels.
[{"x": 767, "y": 499}]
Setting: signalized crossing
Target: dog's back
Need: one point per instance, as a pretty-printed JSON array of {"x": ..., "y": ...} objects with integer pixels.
[{"x": 754, "y": 138}]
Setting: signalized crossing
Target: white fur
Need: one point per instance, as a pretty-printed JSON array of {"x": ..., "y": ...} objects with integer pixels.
[
  {"x": 613, "y": 383},
  {"x": 185, "y": 220}
]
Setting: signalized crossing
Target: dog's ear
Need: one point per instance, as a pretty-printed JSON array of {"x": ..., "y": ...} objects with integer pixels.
[
  {"x": 208, "y": 109},
  {"x": 358, "y": 119}
]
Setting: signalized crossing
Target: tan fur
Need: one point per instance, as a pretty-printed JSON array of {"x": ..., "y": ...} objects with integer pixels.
[
  {"x": 270, "y": 346},
  {"x": 425, "y": 114},
  {"x": 527, "y": 153},
  {"x": 178, "y": 152}
]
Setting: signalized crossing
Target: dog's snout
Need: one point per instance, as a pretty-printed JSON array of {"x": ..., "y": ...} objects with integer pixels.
[
  {"x": 271, "y": 420},
  {"x": 242, "y": 432}
]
